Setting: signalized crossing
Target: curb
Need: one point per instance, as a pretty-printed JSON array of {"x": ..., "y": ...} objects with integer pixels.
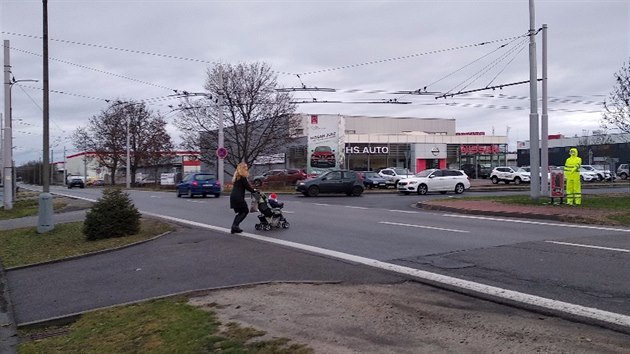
[{"x": 8, "y": 327}]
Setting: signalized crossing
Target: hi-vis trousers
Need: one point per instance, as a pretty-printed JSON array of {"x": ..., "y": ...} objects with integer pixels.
[{"x": 574, "y": 191}]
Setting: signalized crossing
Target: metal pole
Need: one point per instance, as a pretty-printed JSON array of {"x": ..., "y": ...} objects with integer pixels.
[
  {"x": 128, "y": 179},
  {"x": 221, "y": 142},
  {"x": 544, "y": 119},
  {"x": 534, "y": 150},
  {"x": 45, "y": 210},
  {"x": 7, "y": 148}
]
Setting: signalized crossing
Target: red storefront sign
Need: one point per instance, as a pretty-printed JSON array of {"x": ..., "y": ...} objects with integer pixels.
[{"x": 479, "y": 149}]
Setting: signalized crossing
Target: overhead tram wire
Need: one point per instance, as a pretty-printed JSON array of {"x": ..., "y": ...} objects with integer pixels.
[
  {"x": 96, "y": 70},
  {"x": 349, "y": 66}
]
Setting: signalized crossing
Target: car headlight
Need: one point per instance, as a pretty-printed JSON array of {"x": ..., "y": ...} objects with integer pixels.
[{"x": 412, "y": 182}]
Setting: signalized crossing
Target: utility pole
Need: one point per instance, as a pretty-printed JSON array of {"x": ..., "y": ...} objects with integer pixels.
[
  {"x": 534, "y": 150},
  {"x": 544, "y": 120},
  {"x": 7, "y": 158},
  {"x": 220, "y": 163},
  {"x": 45, "y": 211}
]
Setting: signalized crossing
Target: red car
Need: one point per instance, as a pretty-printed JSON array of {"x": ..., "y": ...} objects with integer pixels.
[
  {"x": 290, "y": 176},
  {"x": 323, "y": 156}
]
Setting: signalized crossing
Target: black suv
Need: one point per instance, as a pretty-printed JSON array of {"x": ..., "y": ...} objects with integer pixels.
[
  {"x": 335, "y": 181},
  {"x": 76, "y": 182}
]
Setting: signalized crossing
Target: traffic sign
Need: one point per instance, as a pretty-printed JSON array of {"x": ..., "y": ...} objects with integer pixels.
[{"x": 222, "y": 152}]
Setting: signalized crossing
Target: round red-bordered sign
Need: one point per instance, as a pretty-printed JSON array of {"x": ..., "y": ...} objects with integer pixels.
[{"x": 222, "y": 152}]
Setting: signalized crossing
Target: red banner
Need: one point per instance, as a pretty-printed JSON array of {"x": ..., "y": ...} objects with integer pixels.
[{"x": 479, "y": 149}]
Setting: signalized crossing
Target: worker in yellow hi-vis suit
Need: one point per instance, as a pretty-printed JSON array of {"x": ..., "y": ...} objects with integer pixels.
[{"x": 572, "y": 172}]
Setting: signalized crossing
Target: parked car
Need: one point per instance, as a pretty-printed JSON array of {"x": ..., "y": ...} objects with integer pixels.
[
  {"x": 588, "y": 175},
  {"x": 372, "y": 179},
  {"x": 603, "y": 173},
  {"x": 508, "y": 175},
  {"x": 394, "y": 174},
  {"x": 199, "y": 183},
  {"x": 76, "y": 182},
  {"x": 335, "y": 181},
  {"x": 435, "y": 180},
  {"x": 289, "y": 176},
  {"x": 98, "y": 182},
  {"x": 622, "y": 171},
  {"x": 323, "y": 156},
  {"x": 480, "y": 172}
]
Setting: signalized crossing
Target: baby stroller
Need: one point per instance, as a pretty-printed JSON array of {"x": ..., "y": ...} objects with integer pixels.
[{"x": 270, "y": 213}]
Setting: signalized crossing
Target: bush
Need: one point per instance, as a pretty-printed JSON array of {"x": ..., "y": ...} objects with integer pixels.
[{"x": 113, "y": 215}]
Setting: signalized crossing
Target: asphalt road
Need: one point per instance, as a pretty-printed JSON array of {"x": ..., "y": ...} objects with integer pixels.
[{"x": 544, "y": 259}]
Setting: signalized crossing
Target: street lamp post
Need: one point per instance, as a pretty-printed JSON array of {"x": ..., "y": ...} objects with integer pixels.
[{"x": 7, "y": 159}]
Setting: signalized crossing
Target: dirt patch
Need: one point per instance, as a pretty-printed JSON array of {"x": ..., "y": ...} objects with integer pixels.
[{"x": 401, "y": 318}]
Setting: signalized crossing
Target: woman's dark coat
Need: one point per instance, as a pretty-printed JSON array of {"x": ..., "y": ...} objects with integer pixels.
[{"x": 237, "y": 197}]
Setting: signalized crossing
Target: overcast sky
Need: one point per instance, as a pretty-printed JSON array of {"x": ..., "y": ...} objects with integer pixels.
[{"x": 142, "y": 50}]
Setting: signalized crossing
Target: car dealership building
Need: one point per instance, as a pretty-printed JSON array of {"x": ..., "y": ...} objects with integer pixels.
[{"x": 372, "y": 143}]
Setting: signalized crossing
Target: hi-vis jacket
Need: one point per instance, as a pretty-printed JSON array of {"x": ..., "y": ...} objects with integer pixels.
[{"x": 572, "y": 164}]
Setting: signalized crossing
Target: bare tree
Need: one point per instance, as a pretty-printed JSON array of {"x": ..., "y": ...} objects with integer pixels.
[
  {"x": 617, "y": 107},
  {"x": 106, "y": 136},
  {"x": 258, "y": 120}
]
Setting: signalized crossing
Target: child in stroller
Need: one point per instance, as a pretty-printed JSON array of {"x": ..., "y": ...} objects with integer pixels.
[{"x": 270, "y": 212}]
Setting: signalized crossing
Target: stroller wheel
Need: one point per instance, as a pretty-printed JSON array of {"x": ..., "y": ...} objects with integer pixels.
[
  {"x": 267, "y": 227},
  {"x": 285, "y": 225},
  {"x": 257, "y": 227}
]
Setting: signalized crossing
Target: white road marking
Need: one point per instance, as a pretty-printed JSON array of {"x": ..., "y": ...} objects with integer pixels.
[
  {"x": 573, "y": 309},
  {"x": 321, "y": 204},
  {"x": 577, "y": 226},
  {"x": 404, "y": 211},
  {"x": 422, "y": 226},
  {"x": 356, "y": 207},
  {"x": 589, "y": 246}
]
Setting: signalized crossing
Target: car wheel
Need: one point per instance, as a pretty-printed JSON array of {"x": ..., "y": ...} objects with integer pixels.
[
  {"x": 217, "y": 195},
  {"x": 313, "y": 191},
  {"x": 190, "y": 193},
  {"x": 204, "y": 195},
  {"x": 517, "y": 180},
  {"x": 623, "y": 176},
  {"x": 582, "y": 179},
  {"x": 356, "y": 191},
  {"x": 495, "y": 180},
  {"x": 69, "y": 187},
  {"x": 267, "y": 227},
  {"x": 459, "y": 188},
  {"x": 423, "y": 189},
  {"x": 179, "y": 195},
  {"x": 285, "y": 225}
]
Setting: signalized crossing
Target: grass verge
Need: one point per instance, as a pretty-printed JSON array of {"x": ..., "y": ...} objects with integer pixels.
[
  {"x": 24, "y": 246},
  {"x": 158, "y": 326},
  {"x": 618, "y": 204},
  {"x": 28, "y": 207}
]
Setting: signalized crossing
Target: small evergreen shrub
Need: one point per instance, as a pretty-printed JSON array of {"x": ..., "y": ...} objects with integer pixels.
[{"x": 113, "y": 215}]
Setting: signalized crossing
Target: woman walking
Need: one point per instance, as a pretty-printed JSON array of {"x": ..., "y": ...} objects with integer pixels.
[{"x": 237, "y": 197}]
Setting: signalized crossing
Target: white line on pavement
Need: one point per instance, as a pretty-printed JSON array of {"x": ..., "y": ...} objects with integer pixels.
[
  {"x": 422, "y": 226},
  {"x": 404, "y": 211},
  {"x": 356, "y": 207},
  {"x": 589, "y": 246},
  {"x": 573, "y": 309},
  {"x": 538, "y": 222}
]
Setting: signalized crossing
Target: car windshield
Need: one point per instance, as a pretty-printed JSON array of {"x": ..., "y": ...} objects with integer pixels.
[
  {"x": 424, "y": 173},
  {"x": 322, "y": 148},
  {"x": 401, "y": 171},
  {"x": 523, "y": 169}
]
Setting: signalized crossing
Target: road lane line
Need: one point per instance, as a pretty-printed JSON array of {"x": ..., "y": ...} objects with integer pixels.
[
  {"x": 422, "y": 226},
  {"x": 510, "y": 295},
  {"x": 403, "y": 211},
  {"x": 589, "y": 246},
  {"x": 356, "y": 207},
  {"x": 603, "y": 228}
]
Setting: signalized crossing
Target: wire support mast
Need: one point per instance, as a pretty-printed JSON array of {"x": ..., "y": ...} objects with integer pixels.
[{"x": 446, "y": 95}]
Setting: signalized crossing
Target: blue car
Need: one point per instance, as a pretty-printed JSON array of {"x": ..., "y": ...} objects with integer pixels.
[{"x": 199, "y": 183}]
